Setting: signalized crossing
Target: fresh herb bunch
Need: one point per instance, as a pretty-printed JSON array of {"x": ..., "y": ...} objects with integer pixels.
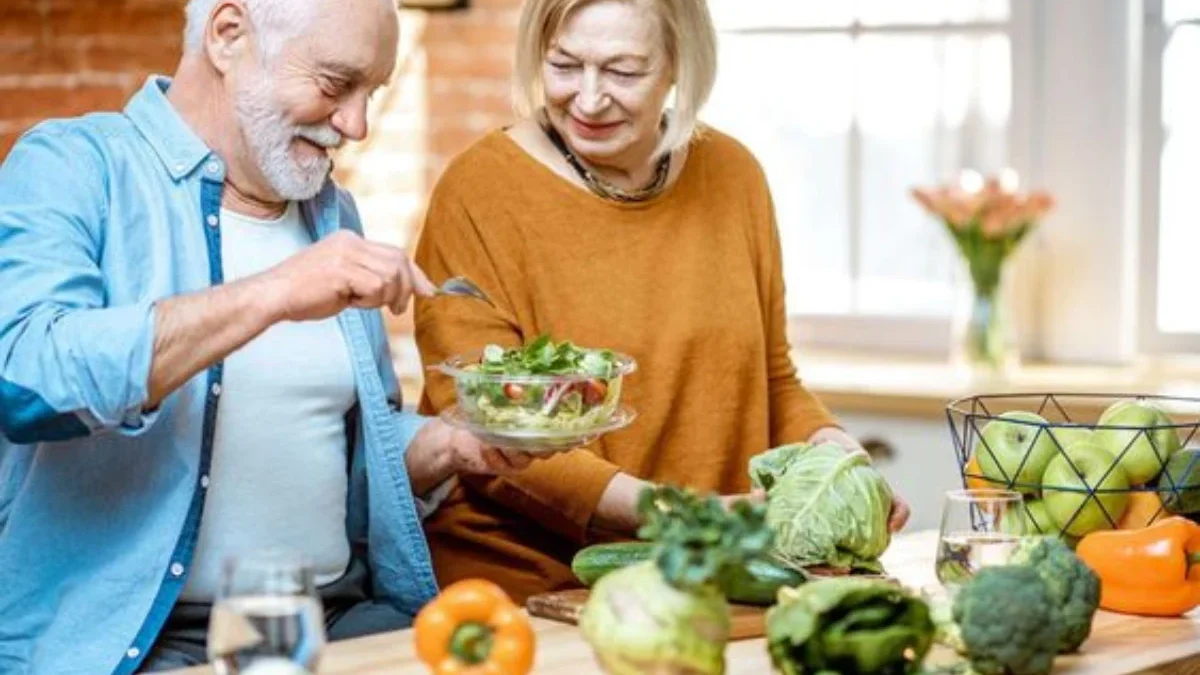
[
  {"x": 700, "y": 542},
  {"x": 544, "y": 357}
]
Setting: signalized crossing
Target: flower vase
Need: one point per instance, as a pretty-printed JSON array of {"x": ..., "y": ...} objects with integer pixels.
[{"x": 983, "y": 341}]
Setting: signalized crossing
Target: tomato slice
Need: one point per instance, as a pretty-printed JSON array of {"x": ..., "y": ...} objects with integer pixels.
[{"x": 594, "y": 392}]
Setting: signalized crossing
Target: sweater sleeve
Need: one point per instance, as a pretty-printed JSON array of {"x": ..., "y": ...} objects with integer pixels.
[
  {"x": 560, "y": 492},
  {"x": 795, "y": 412}
]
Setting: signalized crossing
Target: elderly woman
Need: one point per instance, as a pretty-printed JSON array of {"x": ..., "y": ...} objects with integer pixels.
[{"x": 603, "y": 218}]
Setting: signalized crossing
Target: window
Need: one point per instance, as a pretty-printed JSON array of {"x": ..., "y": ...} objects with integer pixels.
[
  {"x": 848, "y": 105},
  {"x": 1170, "y": 319}
]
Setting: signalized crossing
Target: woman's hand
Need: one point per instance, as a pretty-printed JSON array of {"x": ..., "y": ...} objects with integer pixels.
[
  {"x": 900, "y": 513},
  {"x": 755, "y": 496}
]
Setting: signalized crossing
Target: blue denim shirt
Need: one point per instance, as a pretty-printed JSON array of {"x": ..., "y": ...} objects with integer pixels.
[{"x": 100, "y": 502}]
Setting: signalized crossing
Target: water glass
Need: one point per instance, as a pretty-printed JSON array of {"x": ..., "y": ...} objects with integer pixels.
[
  {"x": 267, "y": 619},
  {"x": 979, "y": 527}
]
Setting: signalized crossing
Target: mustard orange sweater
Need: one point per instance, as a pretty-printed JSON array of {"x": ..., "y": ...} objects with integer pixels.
[{"x": 689, "y": 284}]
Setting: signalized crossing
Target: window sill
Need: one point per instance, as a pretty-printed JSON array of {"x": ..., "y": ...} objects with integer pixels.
[
  {"x": 888, "y": 384},
  {"x": 921, "y": 387}
]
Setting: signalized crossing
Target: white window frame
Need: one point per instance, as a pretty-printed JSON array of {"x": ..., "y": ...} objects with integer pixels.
[
  {"x": 922, "y": 335},
  {"x": 1151, "y": 340}
]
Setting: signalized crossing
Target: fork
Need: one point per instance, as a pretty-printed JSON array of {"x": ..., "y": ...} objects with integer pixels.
[{"x": 463, "y": 287}]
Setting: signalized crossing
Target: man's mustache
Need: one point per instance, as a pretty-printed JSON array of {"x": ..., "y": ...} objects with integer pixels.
[{"x": 323, "y": 135}]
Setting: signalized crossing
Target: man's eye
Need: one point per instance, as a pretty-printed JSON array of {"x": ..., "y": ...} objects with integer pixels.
[
  {"x": 334, "y": 87},
  {"x": 563, "y": 66},
  {"x": 624, "y": 73}
]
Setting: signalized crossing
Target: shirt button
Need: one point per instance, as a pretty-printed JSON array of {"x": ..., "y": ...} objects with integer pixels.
[
  {"x": 204, "y": 481},
  {"x": 216, "y": 389},
  {"x": 213, "y": 167},
  {"x": 176, "y": 570},
  {"x": 212, "y": 221},
  {"x": 179, "y": 168},
  {"x": 133, "y": 652}
]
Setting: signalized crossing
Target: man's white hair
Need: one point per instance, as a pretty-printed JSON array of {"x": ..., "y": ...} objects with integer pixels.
[{"x": 275, "y": 22}]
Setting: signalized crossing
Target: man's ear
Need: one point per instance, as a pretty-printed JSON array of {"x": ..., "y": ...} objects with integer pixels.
[{"x": 228, "y": 35}]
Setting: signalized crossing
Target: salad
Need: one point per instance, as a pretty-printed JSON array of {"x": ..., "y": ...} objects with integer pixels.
[{"x": 543, "y": 386}]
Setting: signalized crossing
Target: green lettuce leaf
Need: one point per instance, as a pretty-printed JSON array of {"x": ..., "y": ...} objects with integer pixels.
[{"x": 849, "y": 625}]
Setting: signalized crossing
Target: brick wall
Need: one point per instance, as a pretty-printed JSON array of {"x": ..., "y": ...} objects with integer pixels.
[{"x": 65, "y": 57}]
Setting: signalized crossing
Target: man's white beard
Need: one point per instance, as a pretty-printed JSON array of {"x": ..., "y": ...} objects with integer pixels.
[{"x": 269, "y": 136}]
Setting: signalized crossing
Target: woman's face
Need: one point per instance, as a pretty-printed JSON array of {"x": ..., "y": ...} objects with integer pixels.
[{"x": 607, "y": 77}]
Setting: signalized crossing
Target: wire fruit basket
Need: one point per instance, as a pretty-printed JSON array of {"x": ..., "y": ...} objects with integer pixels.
[{"x": 1082, "y": 462}]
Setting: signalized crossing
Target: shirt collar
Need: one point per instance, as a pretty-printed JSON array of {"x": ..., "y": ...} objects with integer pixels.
[
  {"x": 177, "y": 146},
  {"x": 181, "y": 151}
]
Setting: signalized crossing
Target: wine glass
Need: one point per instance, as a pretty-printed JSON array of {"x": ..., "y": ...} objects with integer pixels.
[
  {"x": 267, "y": 619},
  {"x": 980, "y": 527}
]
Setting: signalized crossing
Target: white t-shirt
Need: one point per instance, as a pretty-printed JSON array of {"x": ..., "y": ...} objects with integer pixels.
[{"x": 279, "y": 473}]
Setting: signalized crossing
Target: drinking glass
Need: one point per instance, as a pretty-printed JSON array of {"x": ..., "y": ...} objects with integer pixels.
[
  {"x": 267, "y": 618},
  {"x": 980, "y": 527}
]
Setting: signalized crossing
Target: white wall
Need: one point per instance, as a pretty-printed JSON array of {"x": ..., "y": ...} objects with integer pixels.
[{"x": 1084, "y": 99}]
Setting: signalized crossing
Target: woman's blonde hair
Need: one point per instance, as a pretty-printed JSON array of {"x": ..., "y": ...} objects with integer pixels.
[{"x": 690, "y": 40}]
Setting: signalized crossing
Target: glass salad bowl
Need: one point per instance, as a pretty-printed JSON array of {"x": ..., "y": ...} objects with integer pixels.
[{"x": 543, "y": 397}]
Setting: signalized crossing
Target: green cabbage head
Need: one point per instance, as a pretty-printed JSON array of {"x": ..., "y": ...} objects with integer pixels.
[
  {"x": 826, "y": 506},
  {"x": 637, "y": 623}
]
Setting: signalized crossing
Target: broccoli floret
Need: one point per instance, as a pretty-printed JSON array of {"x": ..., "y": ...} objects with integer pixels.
[
  {"x": 946, "y": 632},
  {"x": 1074, "y": 587},
  {"x": 1006, "y": 620}
]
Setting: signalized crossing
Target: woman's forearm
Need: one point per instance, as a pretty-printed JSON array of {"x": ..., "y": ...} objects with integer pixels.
[{"x": 617, "y": 510}]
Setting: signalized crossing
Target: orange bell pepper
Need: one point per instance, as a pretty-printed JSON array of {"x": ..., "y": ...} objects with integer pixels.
[
  {"x": 474, "y": 628},
  {"x": 1150, "y": 571}
]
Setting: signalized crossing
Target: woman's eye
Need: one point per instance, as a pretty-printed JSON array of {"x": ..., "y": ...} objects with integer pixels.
[
  {"x": 624, "y": 73},
  {"x": 563, "y": 66}
]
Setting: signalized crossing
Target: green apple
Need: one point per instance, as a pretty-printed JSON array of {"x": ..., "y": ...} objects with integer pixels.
[
  {"x": 1148, "y": 451},
  {"x": 1028, "y": 518},
  {"x": 1066, "y": 492},
  {"x": 1068, "y": 436},
  {"x": 1014, "y": 449},
  {"x": 1179, "y": 485}
]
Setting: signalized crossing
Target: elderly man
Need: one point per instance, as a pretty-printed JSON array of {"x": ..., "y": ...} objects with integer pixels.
[{"x": 193, "y": 364}]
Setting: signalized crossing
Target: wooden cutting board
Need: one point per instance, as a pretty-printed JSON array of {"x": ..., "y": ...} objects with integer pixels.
[{"x": 746, "y": 621}]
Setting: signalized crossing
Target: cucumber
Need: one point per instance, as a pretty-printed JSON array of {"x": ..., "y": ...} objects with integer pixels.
[
  {"x": 755, "y": 584},
  {"x": 595, "y": 561},
  {"x": 760, "y": 580}
]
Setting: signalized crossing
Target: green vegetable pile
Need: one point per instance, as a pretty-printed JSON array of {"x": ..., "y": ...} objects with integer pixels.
[
  {"x": 542, "y": 386},
  {"x": 849, "y": 625},
  {"x": 668, "y": 615},
  {"x": 661, "y": 606},
  {"x": 1014, "y": 619},
  {"x": 827, "y": 507}
]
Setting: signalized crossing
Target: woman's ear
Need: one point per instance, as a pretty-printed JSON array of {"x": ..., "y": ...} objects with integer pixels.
[{"x": 228, "y": 35}]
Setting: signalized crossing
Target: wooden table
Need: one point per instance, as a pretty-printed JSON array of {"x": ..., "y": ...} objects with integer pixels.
[{"x": 1118, "y": 644}]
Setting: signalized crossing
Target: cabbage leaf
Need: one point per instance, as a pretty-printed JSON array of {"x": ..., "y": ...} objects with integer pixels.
[{"x": 825, "y": 506}]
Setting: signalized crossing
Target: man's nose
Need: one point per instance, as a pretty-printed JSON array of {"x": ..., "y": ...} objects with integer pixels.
[{"x": 350, "y": 119}]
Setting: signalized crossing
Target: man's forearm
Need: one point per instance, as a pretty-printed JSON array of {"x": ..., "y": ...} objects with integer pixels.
[{"x": 194, "y": 331}]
